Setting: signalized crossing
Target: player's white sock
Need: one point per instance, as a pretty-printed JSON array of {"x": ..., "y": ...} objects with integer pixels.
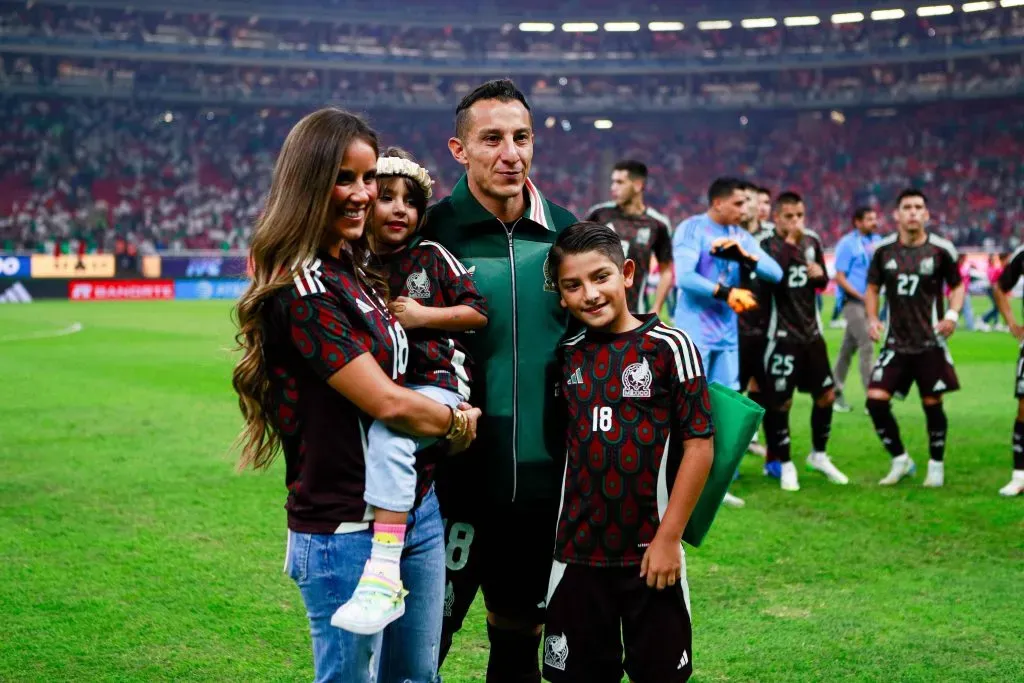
[
  {"x": 820, "y": 462},
  {"x": 733, "y": 501},
  {"x": 936, "y": 474},
  {"x": 902, "y": 466},
  {"x": 1016, "y": 485},
  {"x": 789, "y": 480}
]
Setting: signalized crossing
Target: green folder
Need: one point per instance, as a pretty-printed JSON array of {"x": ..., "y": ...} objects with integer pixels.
[{"x": 736, "y": 419}]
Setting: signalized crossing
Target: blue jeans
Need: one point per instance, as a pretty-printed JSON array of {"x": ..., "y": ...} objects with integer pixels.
[
  {"x": 391, "y": 458},
  {"x": 327, "y": 567}
]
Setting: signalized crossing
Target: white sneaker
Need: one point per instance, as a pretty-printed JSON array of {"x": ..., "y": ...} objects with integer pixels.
[
  {"x": 789, "y": 481},
  {"x": 376, "y": 602},
  {"x": 936, "y": 474},
  {"x": 902, "y": 466},
  {"x": 820, "y": 462},
  {"x": 733, "y": 501},
  {"x": 755, "y": 448},
  {"x": 1016, "y": 485}
]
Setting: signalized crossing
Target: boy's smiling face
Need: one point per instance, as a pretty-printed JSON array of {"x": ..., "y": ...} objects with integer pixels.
[{"x": 594, "y": 289}]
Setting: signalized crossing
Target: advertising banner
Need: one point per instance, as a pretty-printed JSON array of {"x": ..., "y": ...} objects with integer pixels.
[
  {"x": 191, "y": 290},
  {"x": 15, "y": 266},
  {"x": 202, "y": 266},
  {"x": 87, "y": 266},
  {"x": 25, "y": 291},
  {"x": 120, "y": 290}
]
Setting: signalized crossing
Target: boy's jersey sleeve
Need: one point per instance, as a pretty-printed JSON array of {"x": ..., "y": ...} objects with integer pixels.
[
  {"x": 690, "y": 400},
  {"x": 662, "y": 246},
  {"x": 454, "y": 279},
  {"x": 950, "y": 273},
  {"x": 1013, "y": 272}
]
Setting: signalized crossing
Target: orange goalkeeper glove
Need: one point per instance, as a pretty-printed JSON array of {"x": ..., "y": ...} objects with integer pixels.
[{"x": 739, "y": 300}]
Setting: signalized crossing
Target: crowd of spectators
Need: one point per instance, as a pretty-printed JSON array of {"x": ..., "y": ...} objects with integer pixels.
[{"x": 194, "y": 177}]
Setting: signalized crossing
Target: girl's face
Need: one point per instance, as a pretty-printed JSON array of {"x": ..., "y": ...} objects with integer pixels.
[
  {"x": 394, "y": 215},
  {"x": 353, "y": 193}
]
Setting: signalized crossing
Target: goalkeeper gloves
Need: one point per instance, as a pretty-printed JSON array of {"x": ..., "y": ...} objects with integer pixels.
[
  {"x": 739, "y": 300},
  {"x": 730, "y": 250}
]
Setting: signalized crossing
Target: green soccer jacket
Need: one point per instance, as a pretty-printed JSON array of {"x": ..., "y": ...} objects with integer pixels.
[{"x": 514, "y": 356}]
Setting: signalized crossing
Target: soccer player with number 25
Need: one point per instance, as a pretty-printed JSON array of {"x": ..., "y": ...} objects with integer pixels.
[{"x": 638, "y": 452}]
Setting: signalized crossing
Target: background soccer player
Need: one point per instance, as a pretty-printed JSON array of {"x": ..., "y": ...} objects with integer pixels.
[
  {"x": 912, "y": 266},
  {"x": 643, "y": 232},
  {"x": 853, "y": 256},
  {"x": 796, "y": 356},
  {"x": 619, "y": 575},
  {"x": 1001, "y": 289}
]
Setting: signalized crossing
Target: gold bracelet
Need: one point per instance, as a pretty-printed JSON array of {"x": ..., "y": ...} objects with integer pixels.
[{"x": 460, "y": 426}]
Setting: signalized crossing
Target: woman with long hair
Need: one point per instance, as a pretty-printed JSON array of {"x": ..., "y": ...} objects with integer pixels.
[{"x": 323, "y": 358}]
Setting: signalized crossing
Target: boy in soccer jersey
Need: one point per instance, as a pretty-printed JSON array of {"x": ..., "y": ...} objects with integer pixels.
[
  {"x": 796, "y": 356},
  {"x": 638, "y": 452},
  {"x": 434, "y": 299},
  {"x": 912, "y": 266},
  {"x": 1001, "y": 289}
]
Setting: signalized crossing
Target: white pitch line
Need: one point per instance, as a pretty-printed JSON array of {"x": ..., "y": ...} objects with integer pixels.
[{"x": 70, "y": 329}]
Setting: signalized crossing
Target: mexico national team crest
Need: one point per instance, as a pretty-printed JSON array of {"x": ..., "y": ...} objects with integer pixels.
[
  {"x": 809, "y": 254},
  {"x": 927, "y": 266},
  {"x": 549, "y": 279},
  {"x": 643, "y": 235},
  {"x": 636, "y": 380},
  {"x": 556, "y": 652},
  {"x": 418, "y": 285}
]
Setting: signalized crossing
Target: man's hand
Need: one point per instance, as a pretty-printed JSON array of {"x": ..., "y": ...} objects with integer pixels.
[
  {"x": 814, "y": 270},
  {"x": 875, "y": 329},
  {"x": 409, "y": 312},
  {"x": 730, "y": 250},
  {"x": 473, "y": 415},
  {"x": 662, "y": 563},
  {"x": 1017, "y": 331},
  {"x": 946, "y": 328}
]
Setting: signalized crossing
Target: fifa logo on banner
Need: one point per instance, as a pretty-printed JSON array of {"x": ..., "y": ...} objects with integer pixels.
[{"x": 204, "y": 267}]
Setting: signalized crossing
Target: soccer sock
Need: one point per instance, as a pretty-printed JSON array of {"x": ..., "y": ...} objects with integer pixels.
[
  {"x": 885, "y": 426},
  {"x": 935, "y": 419},
  {"x": 1018, "y": 445},
  {"x": 386, "y": 550},
  {"x": 513, "y": 657},
  {"x": 821, "y": 427},
  {"x": 776, "y": 433}
]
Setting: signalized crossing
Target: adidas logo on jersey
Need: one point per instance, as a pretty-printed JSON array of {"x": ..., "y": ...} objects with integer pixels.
[
  {"x": 364, "y": 307},
  {"x": 556, "y": 652},
  {"x": 891, "y": 264},
  {"x": 576, "y": 377},
  {"x": 683, "y": 661},
  {"x": 939, "y": 386},
  {"x": 16, "y": 294},
  {"x": 827, "y": 382}
]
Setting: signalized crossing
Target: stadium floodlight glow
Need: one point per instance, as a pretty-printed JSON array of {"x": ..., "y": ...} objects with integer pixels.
[
  {"x": 801, "y": 21},
  {"x": 665, "y": 26},
  {"x": 934, "y": 10},
  {"x": 579, "y": 27},
  {"x": 847, "y": 17},
  {"x": 719, "y": 25},
  {"x": 536, "y": 27},
  {"x": 978, "y": 6},
  {"x": 1011, "y": 3},
  {"x": 764, "y": 22},
  {"x": 621, "y": 26},
  {"x": 887, "y": 14},
  {"x": 603, "y": 124}
]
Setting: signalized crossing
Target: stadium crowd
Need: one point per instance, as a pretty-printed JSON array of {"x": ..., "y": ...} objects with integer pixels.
[{"x": 194, "y": 178}]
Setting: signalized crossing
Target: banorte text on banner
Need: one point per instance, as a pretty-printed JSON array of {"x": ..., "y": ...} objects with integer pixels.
[{"x": 120, "y": 290}]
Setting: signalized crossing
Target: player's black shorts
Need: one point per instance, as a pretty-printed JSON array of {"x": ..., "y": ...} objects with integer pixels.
[
  {"x": 752, "y": 360},
  {"x": 931, "y": 370},
  {"x": 596, "y": 612},
  {"x": 1020, "y": 373},
  {"x": 789, "y": 367},
  {"x": 503, "y": 550}
]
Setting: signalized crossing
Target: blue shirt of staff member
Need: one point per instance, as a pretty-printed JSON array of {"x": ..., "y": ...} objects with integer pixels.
[{"x": 323, "y": 358}]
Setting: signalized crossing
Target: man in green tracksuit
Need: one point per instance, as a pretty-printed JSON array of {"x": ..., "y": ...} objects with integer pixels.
[{"x": 500, "y": 498}]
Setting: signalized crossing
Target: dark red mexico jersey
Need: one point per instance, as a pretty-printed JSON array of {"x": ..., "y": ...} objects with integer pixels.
[
  {"x": 428, "y": 273},
  {"x": 1013, "y": 271},
  {"x": 793, "y": 315},
  {"x": 913, "y": 279},
  {"x": 631, "y": 399},
  {"x": 324, "y": 320},
  {"x": 754, "y": 323}
]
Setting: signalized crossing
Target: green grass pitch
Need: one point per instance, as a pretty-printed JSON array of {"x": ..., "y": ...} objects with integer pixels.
[{"x": 131, "y": 551}]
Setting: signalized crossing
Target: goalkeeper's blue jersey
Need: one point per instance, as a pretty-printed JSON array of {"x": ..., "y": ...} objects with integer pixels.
[{"x": 710, "y": 322}]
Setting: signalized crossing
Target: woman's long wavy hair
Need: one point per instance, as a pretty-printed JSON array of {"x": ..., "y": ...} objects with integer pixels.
[{"x": 293, "y": 225}]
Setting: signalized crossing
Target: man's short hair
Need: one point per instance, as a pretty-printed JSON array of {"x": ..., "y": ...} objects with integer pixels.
[
  {"x": 637, "y": 170},
  {"x": 765, "y": 190},
  {"x": 860, "y": 213},
  {"x": 583, "y": 237},
  {"x": 723, "y": 188},
  {"x": 911, "y": 192},
  {"x": 501, "y": 89},
  {"x": 789, "y": 197}
]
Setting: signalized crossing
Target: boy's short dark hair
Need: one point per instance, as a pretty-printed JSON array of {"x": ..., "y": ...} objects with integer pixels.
[
  {"x": 911, "y": 192},
  {"x": 723, "y": 188},
  {"x": 501, "y": 89},
  {"x": 789, "y": 198},
  {"x": 582, "y": 237},
  {"x": 637, "y": 170}
]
